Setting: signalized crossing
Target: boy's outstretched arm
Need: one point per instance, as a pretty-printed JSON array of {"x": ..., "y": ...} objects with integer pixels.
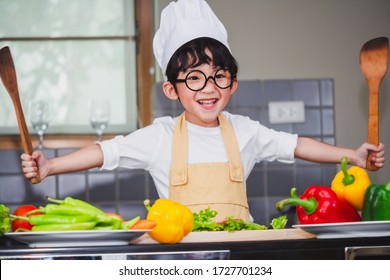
[
  {"x": 316, "y": 151},
  {"x": 82, "y": 159}
]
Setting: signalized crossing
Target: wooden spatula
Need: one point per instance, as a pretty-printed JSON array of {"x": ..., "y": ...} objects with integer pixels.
[
  {"x": 8, "y": 76},
  {"x": 374, "y": 58}
]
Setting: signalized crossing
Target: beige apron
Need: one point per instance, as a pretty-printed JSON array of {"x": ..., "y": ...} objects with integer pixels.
[{"x": 220, "y": 185}]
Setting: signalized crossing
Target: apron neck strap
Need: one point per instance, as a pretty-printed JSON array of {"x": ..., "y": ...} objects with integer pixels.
[
  {"x": 232, "y": 149},
  {"x": 179, "y": 168}
]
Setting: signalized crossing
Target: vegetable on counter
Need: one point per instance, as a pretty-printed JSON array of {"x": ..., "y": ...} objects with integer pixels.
[
  {"x": 22, "y": 224},
  {"x": 203, "y": 221},
  {"x": 5, "y": 220},
  {"x": 174, "y": 220},
  {"x": 320, "y": 204},
  {"x": 77, "y": 203},
  {"x": 71, "y": 214},
  {"x": 351, "y": 184},
  {"x": 279, "y": 222},
  {"x": 376, "y": 205},
  {"x": 63, "y": 227},
  {"x": 144, "y": 224}
]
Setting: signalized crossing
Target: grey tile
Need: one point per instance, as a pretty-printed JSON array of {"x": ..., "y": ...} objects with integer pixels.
[
  {"x": 280, "y": 182},
  {"x": 132, "y": 185},
  {"x": 329, "y": 171},
  {"x": 249, "y": 95},
  {"x": 132, "y": 209},
  {"x": 10, "y": 161},
  {"x": 307, "y": 176},
  {"x": 151, "y": 191},
  {"x": 327, "y": 92},
  {"x": 312, "y": 124},
  {"x": 277, "y": 90},
  {"x": 14, "y": 189},
  {"x": 73, "y": 184},
  {"x": 102, "y": 186},
  {"x": 255, "y": 183},
  {"x": 257, "y": 208},
  {"x": 39, "y": 191},
  {"x": 328, "y": 122},
  {"x": 307, "y": 91},
  {"x": 106, "y": 206}
]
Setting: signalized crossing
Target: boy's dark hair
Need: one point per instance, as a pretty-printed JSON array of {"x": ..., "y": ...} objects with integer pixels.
[{"x": 193, "y": 54}]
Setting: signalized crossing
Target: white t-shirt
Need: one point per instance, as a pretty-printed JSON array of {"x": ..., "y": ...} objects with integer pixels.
[{"x": 150, "y": 148}]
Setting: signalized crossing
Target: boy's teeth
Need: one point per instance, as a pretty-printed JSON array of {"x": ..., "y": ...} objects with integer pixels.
[{"x": 209, "y": 101}]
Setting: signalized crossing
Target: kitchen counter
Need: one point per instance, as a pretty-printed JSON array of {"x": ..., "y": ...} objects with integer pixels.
[{"x": 298, "y": 247}]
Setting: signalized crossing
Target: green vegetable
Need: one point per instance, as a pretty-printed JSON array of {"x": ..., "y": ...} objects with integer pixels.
[
  {"x": 75, "y": 202},
  {"x": 376, "y": 205},
  {"x": 279, "y": 222},
  {"x": 71, "y": 210},
  {"x": 203, "y": 222},
  {"x": 5, "y": 220},
  {"x": 231, "y": 224},
  {"x": 128, "y": 224},
  {"x": 61, "y": 227},
  {"x": 54, "y": 219}
]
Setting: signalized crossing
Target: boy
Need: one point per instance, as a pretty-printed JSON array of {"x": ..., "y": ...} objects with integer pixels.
[{"x": 203, "y": 157}]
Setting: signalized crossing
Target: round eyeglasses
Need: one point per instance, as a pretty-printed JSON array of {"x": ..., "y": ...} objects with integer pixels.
[{"x": 196, "y": 80}]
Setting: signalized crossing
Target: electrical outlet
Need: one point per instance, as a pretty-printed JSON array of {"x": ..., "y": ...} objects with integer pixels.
[{"x": 286, "y": 112}]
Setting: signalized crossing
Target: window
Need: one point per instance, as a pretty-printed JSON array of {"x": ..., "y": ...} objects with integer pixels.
[{"x": 70, "y": 52}]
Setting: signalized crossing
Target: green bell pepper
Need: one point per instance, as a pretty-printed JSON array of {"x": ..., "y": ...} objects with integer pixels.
[{"x": 376, "y": 206}]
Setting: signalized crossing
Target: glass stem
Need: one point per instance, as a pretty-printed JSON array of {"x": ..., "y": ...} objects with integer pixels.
[{"x": 40, "y": 145}]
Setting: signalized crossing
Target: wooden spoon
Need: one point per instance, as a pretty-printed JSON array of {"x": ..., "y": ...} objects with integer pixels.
[
  {"x": 8, "y": 76},
  {"x": 374, "y": 58}
]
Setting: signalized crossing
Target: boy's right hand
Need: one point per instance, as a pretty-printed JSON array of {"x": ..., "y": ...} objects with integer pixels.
[{"x": 31, "y": 164}]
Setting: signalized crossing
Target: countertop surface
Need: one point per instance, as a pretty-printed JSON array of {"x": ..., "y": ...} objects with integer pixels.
[{"x": 285, "y": 244}]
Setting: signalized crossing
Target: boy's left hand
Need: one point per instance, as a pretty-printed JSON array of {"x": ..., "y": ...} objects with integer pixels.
[{"x": 378, "y": 156}]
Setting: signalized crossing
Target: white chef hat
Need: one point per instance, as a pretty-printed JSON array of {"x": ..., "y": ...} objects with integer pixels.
[{"x": 181, "y": 22}]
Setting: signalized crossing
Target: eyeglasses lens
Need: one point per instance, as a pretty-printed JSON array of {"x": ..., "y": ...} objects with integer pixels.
[{"x": 197, "y": 80}]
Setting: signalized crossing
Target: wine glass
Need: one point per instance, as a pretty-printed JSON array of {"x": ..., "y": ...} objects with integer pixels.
[
  {"x": 40, "y": 118},
  {"x": 99, "y": 116}
]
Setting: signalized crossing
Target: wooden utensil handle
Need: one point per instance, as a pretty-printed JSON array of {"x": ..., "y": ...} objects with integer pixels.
[
  {"x": 24, "y": 134},
  {"x": 373, "y": 120},
  {"x": 370, "y": 165}
]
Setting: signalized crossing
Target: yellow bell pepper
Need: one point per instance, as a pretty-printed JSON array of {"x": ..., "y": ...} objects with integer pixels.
[
  {"x": 351, "y": 184},
  {"x": 174, "y": 220}
]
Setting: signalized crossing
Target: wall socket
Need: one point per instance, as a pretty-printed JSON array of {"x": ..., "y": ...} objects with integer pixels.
[{"x": 286, "y": 112}]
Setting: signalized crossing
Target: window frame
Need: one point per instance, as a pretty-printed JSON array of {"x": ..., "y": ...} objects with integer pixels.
[{"x": 145, "y": 80}]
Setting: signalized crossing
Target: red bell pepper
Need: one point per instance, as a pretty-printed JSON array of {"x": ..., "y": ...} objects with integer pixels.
[{"x": 320, "y": 205}]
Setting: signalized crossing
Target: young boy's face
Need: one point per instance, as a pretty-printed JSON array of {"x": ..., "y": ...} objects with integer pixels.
[{"x": 202, "y": 106}]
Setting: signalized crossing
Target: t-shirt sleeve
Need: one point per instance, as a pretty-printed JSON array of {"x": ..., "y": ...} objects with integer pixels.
[
  {"x": 276, "y": 145},
  {"x": 136, "y": 150}
]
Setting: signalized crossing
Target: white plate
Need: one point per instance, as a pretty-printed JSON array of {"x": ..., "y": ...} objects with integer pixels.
[
  {"x": 76, "y": 238},
  {"x": 343, "y": 230}
]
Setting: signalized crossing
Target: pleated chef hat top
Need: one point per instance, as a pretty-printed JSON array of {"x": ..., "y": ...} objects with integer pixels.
[{"x": 181, "y": 22}]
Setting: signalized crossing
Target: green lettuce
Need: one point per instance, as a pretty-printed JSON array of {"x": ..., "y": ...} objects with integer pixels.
[{"x": 5, "y": 220}]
